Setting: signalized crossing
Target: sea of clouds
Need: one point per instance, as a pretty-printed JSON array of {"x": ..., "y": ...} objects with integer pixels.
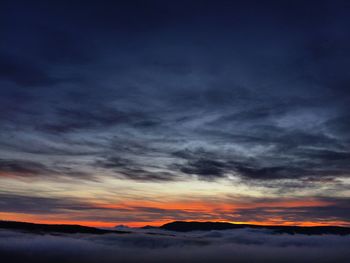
[{"x": 244, "y": 245}]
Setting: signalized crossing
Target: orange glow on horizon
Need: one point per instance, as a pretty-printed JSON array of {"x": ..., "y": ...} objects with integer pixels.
[
  {"x": 30, "y": 219},
  {"x": 198, "y": 211}
]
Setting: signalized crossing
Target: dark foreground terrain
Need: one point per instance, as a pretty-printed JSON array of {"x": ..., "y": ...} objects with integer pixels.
[{"x": 173, "y": 242}]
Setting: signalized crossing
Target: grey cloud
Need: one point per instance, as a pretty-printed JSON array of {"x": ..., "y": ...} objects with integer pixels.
[
  {"x": 130, "y": 169},
  {"x": 23, "y": 168},
  {"x": 204, "y": 168},
  {"x": 42, "y": 205},
  {"x": 327, "y": 214}
]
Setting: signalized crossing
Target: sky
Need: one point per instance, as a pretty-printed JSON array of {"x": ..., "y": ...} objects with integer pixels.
[{"x": 144, "y": 112}]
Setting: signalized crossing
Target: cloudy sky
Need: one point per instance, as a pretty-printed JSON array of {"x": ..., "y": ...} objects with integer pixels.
[{"x": 144, "y": 112}]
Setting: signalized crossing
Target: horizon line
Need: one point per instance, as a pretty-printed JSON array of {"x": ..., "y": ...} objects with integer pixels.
[{"x": 103, "y": 224}]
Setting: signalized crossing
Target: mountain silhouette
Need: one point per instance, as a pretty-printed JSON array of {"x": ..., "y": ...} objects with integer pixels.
[
  {"x": 184, "y": 226},
  {"x": 55, "y": 228},
  {"x": 177, "y": 226}
]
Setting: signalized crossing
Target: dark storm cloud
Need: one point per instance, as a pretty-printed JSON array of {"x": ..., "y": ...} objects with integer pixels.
[{"x": 261, "y": 88}]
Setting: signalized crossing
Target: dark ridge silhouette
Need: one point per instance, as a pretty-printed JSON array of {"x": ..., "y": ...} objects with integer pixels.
[
  {"x": 177, "y": 226},
  {"x": 48, "y": 228},
  {"x": 183, "y": 226}
]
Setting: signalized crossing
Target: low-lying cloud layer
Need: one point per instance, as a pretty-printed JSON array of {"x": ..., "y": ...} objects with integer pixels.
[{"x": 213, "y": 246}]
